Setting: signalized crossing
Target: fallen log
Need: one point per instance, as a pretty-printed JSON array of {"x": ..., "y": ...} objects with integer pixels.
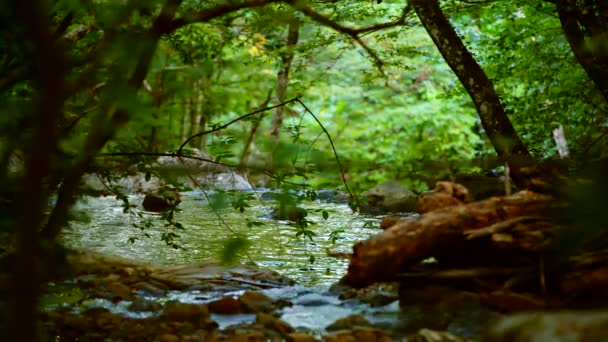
[{"x": 442, "y": 232}]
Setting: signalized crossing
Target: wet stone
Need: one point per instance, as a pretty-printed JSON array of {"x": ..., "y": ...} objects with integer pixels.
[
  {"x": 348, "y": 322},
  {"x": 358, "y": 334},
  {"x": 227, "y": 306},
  {"x": 180, "y": 311},
  {"x": 300, "y": 337},
  {"x": 256, "y": 302},
  {"x": 248, "y": 336},
  {"x": 119, "y": 291},
  {"x": 140, "y": 304},
  {"x": 168, "y": 338},
  {"x": 273, "y": 323},
  {"x": 150, "y": 288},
  {"x": 427, "y": 335}
]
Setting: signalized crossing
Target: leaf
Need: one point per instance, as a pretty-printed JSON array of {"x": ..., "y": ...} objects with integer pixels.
[{"x": 233, "y": 247}]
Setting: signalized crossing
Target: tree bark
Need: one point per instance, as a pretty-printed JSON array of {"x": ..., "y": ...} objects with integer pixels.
[
  {"x": 585, "y": 25},
  {"x": 497, "y": 125},
  {"x": 444, "y": 233},
  {"x": 283, "y": 76},
  {"x": 50, "y": 65}
]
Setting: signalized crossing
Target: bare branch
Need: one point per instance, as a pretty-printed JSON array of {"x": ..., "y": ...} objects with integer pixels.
[{"x": 219, "y": 128}]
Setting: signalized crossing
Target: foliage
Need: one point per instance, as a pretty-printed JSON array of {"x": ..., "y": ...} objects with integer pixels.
[
  {"x": 83, "y": 78},
  {"x": 535, "y": 72}
]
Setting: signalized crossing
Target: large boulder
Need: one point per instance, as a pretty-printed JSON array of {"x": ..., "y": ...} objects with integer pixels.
[
  {"x": 197, "y": 172},
  {"x": 389, "y": 196}
]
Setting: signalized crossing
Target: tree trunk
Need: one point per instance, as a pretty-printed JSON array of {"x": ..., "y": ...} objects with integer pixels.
[
  {"x": 50, "y": 66},
  {"x": 585, "y": 25},
  {"x": 202, "y": 114},
  {"x": 497, "y": 125},
  {"x": 107, "y": 124},
  {"x": 255, "y": 124},
  {"x": 283, "y": 76},
  {"x": 158, "y": 96}
]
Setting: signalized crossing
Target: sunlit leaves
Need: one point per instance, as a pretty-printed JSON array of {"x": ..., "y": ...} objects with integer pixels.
[
  {"x": 522, "y": 48},
  {"x": 233, "y": 247}
]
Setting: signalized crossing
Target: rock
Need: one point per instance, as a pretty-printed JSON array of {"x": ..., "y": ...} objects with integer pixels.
[
  {"x": 348, "y": 322},
  {"x": 377, "y": 294},
  {"x": 168, "y": 338},
  {"x": 273, "y": 323},
  {"x": 152, "y": 288},
  {"x": 119, "y": 290},
  {"x": 227, "y": 306},
  {"x": 256, "y": 302},
  {"x": 205, "y": 173},
  {"x": 300, "y": 337},
  {"x": 358, "y": 334},
  {"x": 203, "y": 274},
  {"x": 228, "y": 181},
  {"x": 140, "y": 304},
  {"x": 332, "y": 196},
  {"x": 161, "y": 200},
  {"x": 389, "y": 196},
  {"x": 175, "y": 311},
  {"x": 247, "y": 336},
  {"x": 445, "y": 194},
  {"x": 428, "y": 335},
  {"x": 571, "y": 326}
]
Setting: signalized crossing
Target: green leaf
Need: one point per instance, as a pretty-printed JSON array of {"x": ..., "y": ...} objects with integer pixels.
[{"x": 232, "y": 248}]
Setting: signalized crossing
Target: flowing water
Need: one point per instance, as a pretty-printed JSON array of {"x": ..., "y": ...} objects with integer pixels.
[
  {"x": 104, "y": 227},
  {"x": 273, "y": 244}
]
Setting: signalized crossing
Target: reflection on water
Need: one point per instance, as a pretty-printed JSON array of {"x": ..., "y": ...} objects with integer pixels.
[{"x": 273, "y": 244}]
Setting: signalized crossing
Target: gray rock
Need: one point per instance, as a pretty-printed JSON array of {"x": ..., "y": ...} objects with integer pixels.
[
  {"x": 389, "y": 196},
  {"x": 189, "y": 172}
]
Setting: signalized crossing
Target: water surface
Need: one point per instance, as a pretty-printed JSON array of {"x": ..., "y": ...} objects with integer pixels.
[{"x": 273, "y": 244}]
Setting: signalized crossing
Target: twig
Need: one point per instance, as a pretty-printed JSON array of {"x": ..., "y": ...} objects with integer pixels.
[
  {"x": 219, "y": 128},
  {"x": 333, "y": 147}
]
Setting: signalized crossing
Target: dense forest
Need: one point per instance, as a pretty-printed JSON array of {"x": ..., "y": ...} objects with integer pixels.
[{"x": 308, "y": 95}]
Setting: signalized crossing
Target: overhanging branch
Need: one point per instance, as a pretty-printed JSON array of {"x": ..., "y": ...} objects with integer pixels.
[
  {"x": 355, "y": 33},
  {"x": 208, "y": 14}
]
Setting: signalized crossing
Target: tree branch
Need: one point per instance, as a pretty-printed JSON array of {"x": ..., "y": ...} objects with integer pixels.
[
  {"x": 208, "y": 14},
  {"x": 242, "y": 117},
  {"x": 355, "y": 33}
]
